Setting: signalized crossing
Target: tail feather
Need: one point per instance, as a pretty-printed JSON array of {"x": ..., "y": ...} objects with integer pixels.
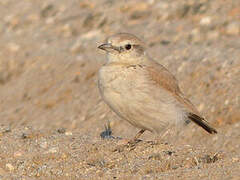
[{"x": 202, "y": 122}]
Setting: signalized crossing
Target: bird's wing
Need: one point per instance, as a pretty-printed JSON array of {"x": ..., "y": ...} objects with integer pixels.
[{"x": 163, "y": 78}]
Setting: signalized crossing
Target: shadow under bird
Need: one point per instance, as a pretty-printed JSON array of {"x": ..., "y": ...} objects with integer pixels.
[{"x": 142, "y": 91}]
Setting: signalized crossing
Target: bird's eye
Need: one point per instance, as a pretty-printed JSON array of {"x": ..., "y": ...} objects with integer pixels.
[{"x": 128, "y": 46}]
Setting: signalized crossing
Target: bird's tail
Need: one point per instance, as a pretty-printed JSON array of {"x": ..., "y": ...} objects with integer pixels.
[{"x": 202, "y": 122}]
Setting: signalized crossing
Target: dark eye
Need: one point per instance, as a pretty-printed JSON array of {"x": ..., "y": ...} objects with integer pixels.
[{"x": 128, "y": 46}]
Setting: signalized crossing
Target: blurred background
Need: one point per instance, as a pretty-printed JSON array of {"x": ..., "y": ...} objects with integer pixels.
[{"x": 48, "y": 85}]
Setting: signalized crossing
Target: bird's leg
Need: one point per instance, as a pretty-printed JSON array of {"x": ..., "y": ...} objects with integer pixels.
[
  {"x": 130, "y": 143},
  {"x": 135, "y": 139},
  {"x": 139, "y": 134},
  {"x": 107, "y": 134}
]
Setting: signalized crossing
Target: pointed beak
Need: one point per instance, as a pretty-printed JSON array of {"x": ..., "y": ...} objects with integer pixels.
[
  {"x": 109, "y": 47},
  {"x": 105, "y": 47}
]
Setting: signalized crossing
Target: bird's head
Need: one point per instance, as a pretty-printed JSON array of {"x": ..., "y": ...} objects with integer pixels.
[{"x": 123, "y": 47}]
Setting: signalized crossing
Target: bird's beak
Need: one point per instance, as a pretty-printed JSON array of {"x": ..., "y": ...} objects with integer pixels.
[
  {"x": 108, "y": 47},
  {"x": 105, "y": 47}
]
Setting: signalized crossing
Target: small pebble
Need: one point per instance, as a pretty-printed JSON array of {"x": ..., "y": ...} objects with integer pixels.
[
  {"x": 52, "y": 150},
  {"x": 43, "y": 145},
  {"x": 17, "y": 154},
  {"x": 68, "y": 133},
  {"x": 13, "y": 47},
  {"x": 9, "y": 167},
  {"x": 206, "y": 21},
  {"x": 61, "y": 130}
]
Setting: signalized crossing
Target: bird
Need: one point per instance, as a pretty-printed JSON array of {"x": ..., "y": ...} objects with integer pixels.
[{"x": 142, "y": 91}]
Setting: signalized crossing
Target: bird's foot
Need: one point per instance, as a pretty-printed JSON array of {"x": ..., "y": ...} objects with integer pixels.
[{"x": 127, "y": 144}]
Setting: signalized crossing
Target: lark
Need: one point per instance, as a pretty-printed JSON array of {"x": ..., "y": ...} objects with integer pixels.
[{"x": 142, "y": 91}]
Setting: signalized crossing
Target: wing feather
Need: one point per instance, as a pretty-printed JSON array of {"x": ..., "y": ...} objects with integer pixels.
[{"x": 163, "y": 78}]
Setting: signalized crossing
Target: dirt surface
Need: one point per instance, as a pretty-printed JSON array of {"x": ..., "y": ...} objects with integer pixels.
[{"x": 51, "y": 113}]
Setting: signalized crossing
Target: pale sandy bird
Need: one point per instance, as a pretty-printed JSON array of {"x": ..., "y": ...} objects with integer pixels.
[{"x": 142, "y": 91}]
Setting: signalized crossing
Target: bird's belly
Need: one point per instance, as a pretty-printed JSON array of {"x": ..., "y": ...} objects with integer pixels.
[
  {"x": 134, "y": 100},
  {"x": 127, "y": 103}
]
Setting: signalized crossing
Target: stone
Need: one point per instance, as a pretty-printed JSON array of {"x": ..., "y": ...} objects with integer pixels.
[{"x": 233, "y": 28}]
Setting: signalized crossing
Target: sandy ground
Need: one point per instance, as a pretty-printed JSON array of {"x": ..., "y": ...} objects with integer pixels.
[{"x": 51, "y": 113}]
